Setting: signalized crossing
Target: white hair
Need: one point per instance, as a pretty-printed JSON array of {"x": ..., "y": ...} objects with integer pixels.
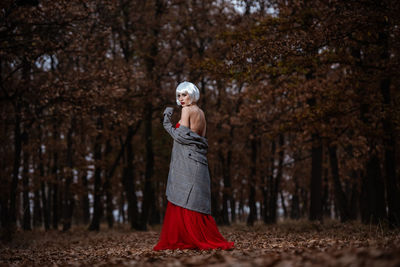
[{"x": 190, "y": 88}]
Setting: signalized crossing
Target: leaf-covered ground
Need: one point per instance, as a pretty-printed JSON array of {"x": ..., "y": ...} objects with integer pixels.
[{"x": 285, "y": 244}]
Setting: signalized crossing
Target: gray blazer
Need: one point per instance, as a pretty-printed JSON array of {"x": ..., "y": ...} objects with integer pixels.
[{"x": 188, "y": 183}]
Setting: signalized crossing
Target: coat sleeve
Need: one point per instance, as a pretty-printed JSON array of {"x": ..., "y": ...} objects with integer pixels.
[{"x": 171, "y": 130}]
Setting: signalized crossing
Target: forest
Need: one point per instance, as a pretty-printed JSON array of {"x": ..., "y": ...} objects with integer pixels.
[{"x": 301, "y": 100}]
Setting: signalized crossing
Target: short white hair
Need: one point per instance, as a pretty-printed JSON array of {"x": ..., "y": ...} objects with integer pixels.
[{"x": 190, "y": 88}]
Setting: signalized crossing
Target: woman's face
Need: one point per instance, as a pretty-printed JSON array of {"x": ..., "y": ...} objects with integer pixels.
[{"x": 184, "y": 99}]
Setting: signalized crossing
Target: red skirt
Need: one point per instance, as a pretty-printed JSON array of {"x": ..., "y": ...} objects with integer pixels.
[{"x": 187, "y": 229}]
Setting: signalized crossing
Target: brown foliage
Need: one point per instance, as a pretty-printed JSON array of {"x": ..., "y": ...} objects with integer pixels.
[{"x": 287, "y": 244}]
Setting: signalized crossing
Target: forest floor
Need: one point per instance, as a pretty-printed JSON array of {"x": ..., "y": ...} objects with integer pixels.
[{"x": 288, "y": 243}]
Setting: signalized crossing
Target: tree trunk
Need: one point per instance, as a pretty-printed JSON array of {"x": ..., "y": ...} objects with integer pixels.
[
  {"x": 150, "y": 212},
  {"x": 25, "y": 181},
  {"x": 107, "y": 187},
  {"x": 84, "y": 195},
  {"x": 148, "y": 194},
  {"x": 295, "y": 205},
  {"x": 326, "y": 203},
  {"x": 215, "y": 207},
  {"x": 97, "y": 203},
  {"x": 265, "y": 193},
  {"x": 37, "y": 209},
  {"x": 285, "y": 213},
  {"x": 121, "y": 211},
  {"x": 55, "y": 197},
  {"x": 69, "y": 201},
  {"x": 316, "y": 179},
  {"x": 85, "y": 198},
  {"x": 229, "y": 183},
  {"x": 340, "y": 197},
  {"x": 304, "y": 198},
  {"x": 5, "y": 231},
  {"x": 372, "y": 197},
  {"x": 128, "y": 180},
  {"x": 45, "y": 206},
  {"x": 295, "y": 201},
  {"x": 355, "y": 195},
  {"x": 49, "y": 194},
  {"x": 5, "y": 197},
  {"x": 227, "y": 186},
  {"x": 273, "y": 202},
  {"x": 252, "y": 183},
  {"x": 227, "y": 193},
  {"x": 241, "y": 206},
  {"x": 17, "y": 162},
  {"x": 389, "y": 141},
  {"x": 37, "y": 178},
  {"x": 233, "y": 207},
  {"x": 372, "y": 201},
  {"x": 44, "y": 199},
  {"x": 270, "y": 187}
]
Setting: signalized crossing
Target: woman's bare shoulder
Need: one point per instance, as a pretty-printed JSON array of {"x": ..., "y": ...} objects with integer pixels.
[
  {"x": 202, "y": 113},
  {"x": 193, "y": 112},
  {"x": 186, "y": 110},
  {"x": 198, "y": 109}
]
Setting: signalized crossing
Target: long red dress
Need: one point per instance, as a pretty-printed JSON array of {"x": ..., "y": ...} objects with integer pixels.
[{"x": 188, "y": 229}]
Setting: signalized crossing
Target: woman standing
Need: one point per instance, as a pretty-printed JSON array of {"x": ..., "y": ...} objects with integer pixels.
[{"x": 187, "y": 222}]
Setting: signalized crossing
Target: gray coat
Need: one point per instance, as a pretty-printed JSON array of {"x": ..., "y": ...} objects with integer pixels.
[{"x": 188, "y": 183}]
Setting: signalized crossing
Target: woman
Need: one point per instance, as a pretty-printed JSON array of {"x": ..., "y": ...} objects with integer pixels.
[{"x": 187, "y": 222}]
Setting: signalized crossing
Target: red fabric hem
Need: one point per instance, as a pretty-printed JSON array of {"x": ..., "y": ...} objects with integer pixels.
[{"x": 187, "y": 229}]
